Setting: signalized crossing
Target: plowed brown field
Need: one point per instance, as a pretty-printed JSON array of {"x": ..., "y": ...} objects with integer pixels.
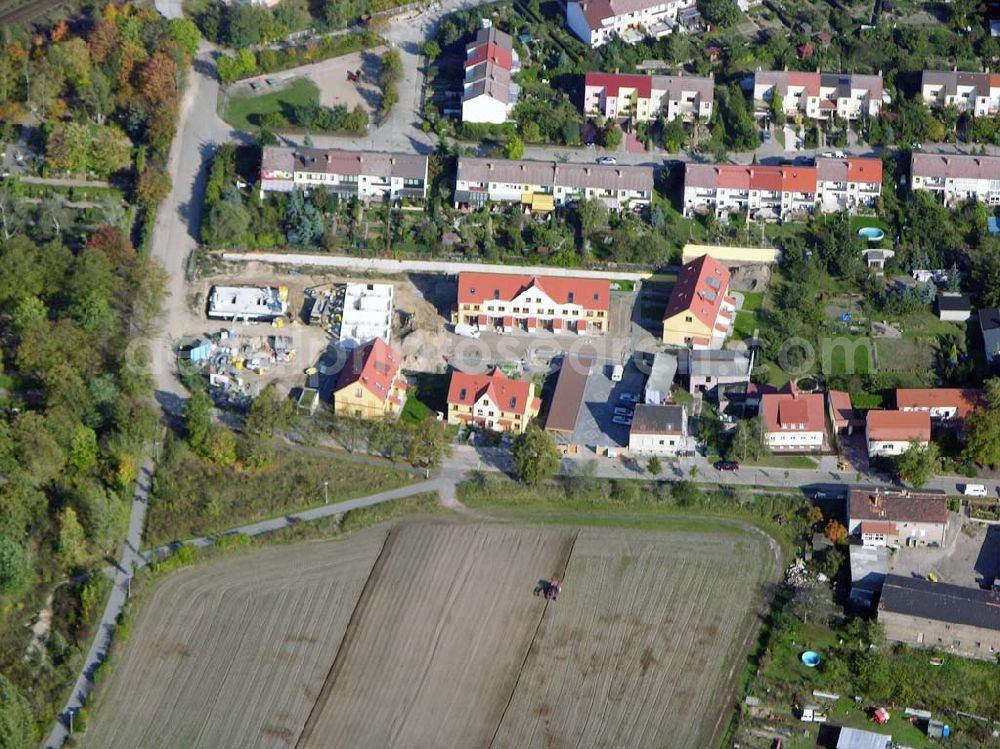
[{"x": 434, "y": 640}]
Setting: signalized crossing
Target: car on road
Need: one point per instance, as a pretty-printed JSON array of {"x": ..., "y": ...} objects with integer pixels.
[
  {"x": 607, "y": 160},
  {"x": 628, "y": 397},
  {"x": 726, "y": 465}
]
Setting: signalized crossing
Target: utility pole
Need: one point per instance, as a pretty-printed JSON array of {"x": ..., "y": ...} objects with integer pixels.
[{"x": 326, "y": 492}]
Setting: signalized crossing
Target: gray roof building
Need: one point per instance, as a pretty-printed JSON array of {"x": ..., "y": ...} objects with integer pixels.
[
  {"x": 568, "y": 395},
  {"x": 658, "y": 419},
  {"x": 989, "y": 323},
  {"x": 661, "y": 378},
  {"x": 554, "y": 174},
  {"x": 855, "y": 738},
  {"x": 955, "y": 604},
  {"x": 954, "y": 166}
]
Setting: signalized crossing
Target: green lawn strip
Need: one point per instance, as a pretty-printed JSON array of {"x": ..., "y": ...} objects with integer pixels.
[
  {"x": 784, "y": 461},
  {"x": 745, "y": 324},
  {"x": 752, "y": 300},
  {"x": 414, "y": 411},
  {"x": 194, "y": 497},
  {"x": 242, "y": 105}
]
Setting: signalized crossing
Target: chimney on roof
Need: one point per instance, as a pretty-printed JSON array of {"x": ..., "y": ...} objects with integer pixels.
[
  {"x": 489, "y": 165},
  {"x": 327, "y": 157}
]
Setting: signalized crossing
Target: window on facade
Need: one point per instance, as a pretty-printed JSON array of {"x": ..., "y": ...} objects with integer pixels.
[{"x": 358, "y": 392}]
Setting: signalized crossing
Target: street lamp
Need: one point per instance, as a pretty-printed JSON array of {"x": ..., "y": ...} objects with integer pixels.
[{"x": 326, "y": 492}]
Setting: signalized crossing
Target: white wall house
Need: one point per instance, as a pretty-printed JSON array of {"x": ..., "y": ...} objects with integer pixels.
[
  {"x": 542, "y": 185},
  {"x": 773, "y": 192},
  {"x": 658, "y": 430},
  {"x": 643, "y": 98},
  {"x": 365, "y": 175},
  {"x": 597, "y": 22},
  {"x": 957, "y": 178},
  {"x": 890, "y": 433},
  {"x": 794, "y": 422},
  {"x": 975, "y": 92},
  {"x": 819, "y": 96},
  {"x": 488, "y": 93}
]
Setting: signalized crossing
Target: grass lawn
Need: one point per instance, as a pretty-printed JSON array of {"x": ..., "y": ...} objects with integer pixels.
[
  {"x": 752, "y": 300},
  {"x": 904, "y": 354},
  {"x": 414, "y": 411},
  {"x": 244, "y": 110},
  {"x": 838, "y": 361},
  {"x": 193, "y": 497},
  {"x": 745, "y": 324},
  {"x": 785, "y": 461},
  {"x": 430, "y": 391}
]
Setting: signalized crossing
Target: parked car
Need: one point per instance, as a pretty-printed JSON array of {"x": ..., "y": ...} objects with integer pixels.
[
  {"x": 622, "y": 411},
  {"x": 628, "y": 397},
  {"x": 974, "y": 490},
  {"x": 727, "y": 465},
  {"x": 607, "y": 160},
  {"x": 617, "y": 373},
  {"x": 623, "y": 420},
  {"x": 685, "y": 453}
]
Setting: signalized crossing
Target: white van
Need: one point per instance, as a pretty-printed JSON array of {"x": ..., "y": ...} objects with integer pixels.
[
  {"x": 974, "y": 490},
  {"x": 617, "y": 373},
  {"x": 466, "y": 331}
]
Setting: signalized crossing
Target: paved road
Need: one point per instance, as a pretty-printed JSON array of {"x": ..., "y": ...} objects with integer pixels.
[
  {"x": 440, "y": 485},
  {"x": 423, "y": 266},
  {"x": 200, "y": 131},
  {"x": 123, "y": 573},
  {"x": 826, "y": 477}
]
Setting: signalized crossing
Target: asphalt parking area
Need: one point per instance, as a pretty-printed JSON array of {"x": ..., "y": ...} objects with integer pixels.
[{"x": 595, "y": 427}]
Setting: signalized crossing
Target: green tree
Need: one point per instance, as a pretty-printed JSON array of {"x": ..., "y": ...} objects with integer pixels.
[
  {"x": 198, "y": 420},
  {"x": 15, "y": 718},
  {"x": 720, "y": 12},
  {"x": 654, "y": 466},
  {"x": 917, "y": 464},
  {"x": 220, "y": 445},
  {"x": 431, "y": 49},
  {"x": 269, "y": 412},
  {"x": 72, "y": 539},
  {"x": 83, "y": 448},
  {"x": 983, "y": 444},
  {"x": 836, "y": 532},
  {"x": 514, "y": 148},
  {"x": 991, "y": 393},
  {"x": 226, "y": 224},
  {"x": 778, "y": 109},
  {"x": 15, "y": 568},
  {"x": 535, "y": 455},
  {"x": 613, "y": 137},
  {"x": 748, "y": 440},
  {"x": 428, "y": 443},
  {"x": 186, "y": 34},
  {"x": 531, "y": 132}
]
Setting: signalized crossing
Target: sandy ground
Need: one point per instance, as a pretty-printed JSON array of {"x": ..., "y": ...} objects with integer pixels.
[
  {"x": 331, "y": 78},
  {"x": 426, "y": 345}
]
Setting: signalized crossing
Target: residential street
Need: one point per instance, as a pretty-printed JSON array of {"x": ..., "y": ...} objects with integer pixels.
[{"x": 116, "y": 600}]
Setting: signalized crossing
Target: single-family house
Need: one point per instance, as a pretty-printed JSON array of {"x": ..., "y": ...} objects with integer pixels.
[
  {"x": 492, "y": 401},
  {"x": 890, "y": 433},
  {"x": 488, "y": 94},
  {"x": 658, "y": 430},
  {"x": 794, "y": 421},
  {"x": 954, "y": 307},
  {"x": 371, "y": 385},
  {"x": 719, "y": 375},
  {"x": 507, "y": 302},
  {"x": 958, "y": 619},
  {"x": 597, "y": 22},
  {"x": 700, "y": 312},
  {"x": 917, "y": 518},
  {"x": 644, "y": 98},
  {"x": 945, "y": 405}
]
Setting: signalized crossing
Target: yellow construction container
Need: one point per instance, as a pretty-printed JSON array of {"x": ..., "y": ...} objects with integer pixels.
[{"x": 283, "y": 293}]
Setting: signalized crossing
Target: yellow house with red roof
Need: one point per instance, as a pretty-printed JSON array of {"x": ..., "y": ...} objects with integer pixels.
[
  {"x": 492, "y": 401},
  {"x": 700, "y": 312},
  {"x": 370, "y": 385}
]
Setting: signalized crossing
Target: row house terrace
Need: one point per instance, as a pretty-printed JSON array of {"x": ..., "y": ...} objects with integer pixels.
[
  {"x": 819, "y": 96},
  {"x": 646, "y": 97},
  {"x": 361, "y": 174}
]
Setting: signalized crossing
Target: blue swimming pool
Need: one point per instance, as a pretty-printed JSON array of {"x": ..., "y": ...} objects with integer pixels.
[
  {"x": 871, "y": 233},
  {"x": 810, "y": 659}
]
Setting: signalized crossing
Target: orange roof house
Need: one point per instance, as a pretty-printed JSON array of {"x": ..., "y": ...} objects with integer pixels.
[
  {"x": 891, "y": 432},
  {"x": 370, "y": 384},
  {"x": 793, "y": 421},
  {"x": 493, "y": 401},
  {"x": 942, "y": 403},
  {"x": 700, "y": 308}
]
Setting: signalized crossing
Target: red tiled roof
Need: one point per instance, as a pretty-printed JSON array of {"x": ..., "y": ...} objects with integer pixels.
[
  {"x": 491, "y": 52},
  {"x": 769, "y": 178},
  {"x": 784, "y": 412},
  {"x": 963, "y": 399},
  {"x": 899, "y": 426},
  {"x": 889, "y": 506},
  {"x": 843, "y": 411},
  {"x": 864, "y": 170},
  {"x": 612, "y": 82},
  {"x": 510, "y": 396},
  {"x": 374, "y": 365},
  {"x": 696, "y": 292},
  {"x": 589, "y": 293},
  {"x": 874, "y": 526}
]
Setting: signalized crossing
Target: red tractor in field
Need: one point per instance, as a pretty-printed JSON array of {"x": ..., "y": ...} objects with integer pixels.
[{"x": 354, "y": 77}]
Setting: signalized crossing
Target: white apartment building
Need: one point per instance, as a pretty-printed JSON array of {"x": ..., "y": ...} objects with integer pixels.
[
  {"x": 780, "y": 191},
  {"x": 543, "y": 185},
  {"x": 794, "y": 421},
  {"x": 360, "y": 174},
  {"x": 957, "y": 178},
  {"x": 597, "y": 22},
  {"x": 977, "y": 93},
  {"x": 645, "y": 97},
  {"x": 366, "y": 312},
  {"x": 818, "y": 96},
  {"x": 488, "y": 94}
]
